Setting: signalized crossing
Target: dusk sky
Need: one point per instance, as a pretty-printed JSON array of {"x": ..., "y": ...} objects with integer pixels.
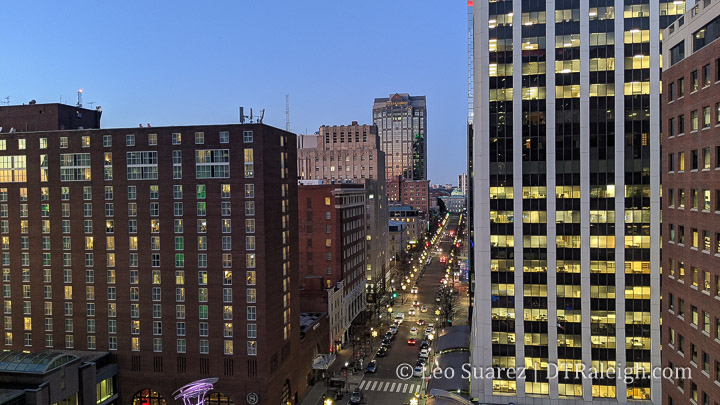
[{"x": 182, "y": 62}]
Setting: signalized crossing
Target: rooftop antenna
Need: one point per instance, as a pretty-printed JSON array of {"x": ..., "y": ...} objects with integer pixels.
[
  {"x": 92, "y": 103},
  {"x": 79, "y": 103},
  {"x": 287, "y": 112},
  {"x": 7, "y": 100},
  {"x": 251, "y": 119}
]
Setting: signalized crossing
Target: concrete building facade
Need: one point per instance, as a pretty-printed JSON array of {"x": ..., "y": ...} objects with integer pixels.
[
  {"x": 566, "y": 197},
  {"x": 351, "y": 153},
  {"x": 691, "y": 205}
]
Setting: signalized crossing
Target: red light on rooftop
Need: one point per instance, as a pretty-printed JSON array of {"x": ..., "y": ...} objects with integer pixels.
[{"x": 470, "y": 3}]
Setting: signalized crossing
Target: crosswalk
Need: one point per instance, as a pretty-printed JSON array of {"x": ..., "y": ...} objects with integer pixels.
[{"x": 389, "y": 386}]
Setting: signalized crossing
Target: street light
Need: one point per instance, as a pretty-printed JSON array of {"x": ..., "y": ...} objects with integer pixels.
[{"x": 413, "y": 401}]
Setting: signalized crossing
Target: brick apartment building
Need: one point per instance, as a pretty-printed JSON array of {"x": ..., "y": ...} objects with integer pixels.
[
  {"x": 351, "y": 153},
  {"x": 415, "y": 193},
  {"x": 173, "y": 248},
  {"x": 691, "y": 205},
  {"x": 332, "y": 253}
]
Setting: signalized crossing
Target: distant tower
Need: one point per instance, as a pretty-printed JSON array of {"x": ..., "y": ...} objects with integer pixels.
[
  {"x": 287, "y": 112},
  {"x": 79, "y": 103}
]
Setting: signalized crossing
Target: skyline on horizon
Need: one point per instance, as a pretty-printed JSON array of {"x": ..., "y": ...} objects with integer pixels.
[{"x": 142, "y": 66}]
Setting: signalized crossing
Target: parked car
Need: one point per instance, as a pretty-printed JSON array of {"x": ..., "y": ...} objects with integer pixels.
[
  {"x": 386, "y": 342},
  {"x": 424, "y": 353},
  {"x": 389, "y": 335},
  {"x": 372, "y": 367},
  {"x": 356, "y": 396},
  {"x": 393, "y": 329},
  {"x": 419, "y": 371},
  {"x": 382, "y": 351},
  {"x": 428, "y": 330}
]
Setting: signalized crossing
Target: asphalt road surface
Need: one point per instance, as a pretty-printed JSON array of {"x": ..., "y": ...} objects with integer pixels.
[{"x": 384, "y": 386}]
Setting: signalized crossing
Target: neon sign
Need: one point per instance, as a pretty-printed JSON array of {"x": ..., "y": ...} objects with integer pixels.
[{"x": 194, "y": 393}]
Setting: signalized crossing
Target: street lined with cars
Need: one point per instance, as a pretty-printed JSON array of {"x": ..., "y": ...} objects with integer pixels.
[{"x": 381, "y": 384}]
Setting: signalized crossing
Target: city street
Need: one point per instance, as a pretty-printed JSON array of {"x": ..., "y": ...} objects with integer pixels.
[{"x": 384, "y": 386}]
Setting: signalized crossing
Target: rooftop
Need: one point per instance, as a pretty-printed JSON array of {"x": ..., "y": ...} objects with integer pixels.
[{"x": 36, "y": 363}]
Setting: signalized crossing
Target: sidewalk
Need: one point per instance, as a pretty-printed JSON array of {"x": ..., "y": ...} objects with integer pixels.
[{"x": 314, "y": 396}]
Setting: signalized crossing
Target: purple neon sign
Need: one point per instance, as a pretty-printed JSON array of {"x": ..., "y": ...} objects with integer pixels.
[{"x": 194, "y": 393}]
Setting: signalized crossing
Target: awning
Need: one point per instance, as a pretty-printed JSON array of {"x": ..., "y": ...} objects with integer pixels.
[{"x": 323, "y": 361}]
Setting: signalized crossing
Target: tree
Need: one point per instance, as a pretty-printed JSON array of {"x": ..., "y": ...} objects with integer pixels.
[{"x": 448, "y": 305}]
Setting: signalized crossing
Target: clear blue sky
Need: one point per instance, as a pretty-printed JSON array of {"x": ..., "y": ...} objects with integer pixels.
[{"x": 184, "y": 62}]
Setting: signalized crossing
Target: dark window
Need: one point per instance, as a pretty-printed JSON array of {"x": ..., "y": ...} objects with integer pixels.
[
  {"x": 671, "y": 162},
  {"x": 681, "y": 124},
  {"x": 671, "y": 91},
  {"x": 694, "y": 160},
  {"x": 671, "y": 127},
  {"x": 677, "y": 53}
]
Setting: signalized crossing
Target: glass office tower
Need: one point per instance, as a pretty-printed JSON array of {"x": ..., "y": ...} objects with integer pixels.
[{"x": 567, "y": 190}]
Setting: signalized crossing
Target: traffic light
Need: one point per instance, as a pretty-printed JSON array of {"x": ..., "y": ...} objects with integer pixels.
[{"x": 394, "y": 295}]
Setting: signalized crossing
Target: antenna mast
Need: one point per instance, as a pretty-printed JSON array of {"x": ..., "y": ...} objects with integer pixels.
[
  {"x": 287, "y": 112},
  {"x": 79, "y": 103}
]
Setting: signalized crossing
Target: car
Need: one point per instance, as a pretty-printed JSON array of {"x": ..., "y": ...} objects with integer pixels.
[
  {"x": 428, "y": 330},
  {"x": 412, "y": 342},
  {"x": 386, "y": 342},
  {"x": 382, "y": 351},
  {"x": 427, "y": 262},
  {"x": 393, "y": 329},
  {"x": 431, "y": 325},
  {"x": 399, "y": 318},
  {"x": 418, "y": 371},
  {"x": 424, "y": 345},
  {"x": 413, "y": 330},
  {"x": 424, "y": 353},
  {"x": 416, "y": 303},
  {"x": 423, "y": 308},
  {"x": 421, "y": 322},
  {"x": 389, "y": 335},
  {"x": 421, "y": 362},
  {"x": 437, "y": 298},
  {"x": 414, "y": 290},
  {"x": 411, "y": 312},
  {"x": 356, "y": 396},
  {"x": 371, "y": 367}
]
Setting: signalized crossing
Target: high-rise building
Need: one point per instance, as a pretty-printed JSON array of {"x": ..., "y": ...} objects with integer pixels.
[
  {"x": 332, "y": 253},
  {"x": 171, "y": 248},
  {"x": 566, "y": 197},
  {"x": 351, "y": 153},
  {"x": 401, "y": 120},
  {"x": 462, "y": 183},
  {"x": 690, "y": 205}
]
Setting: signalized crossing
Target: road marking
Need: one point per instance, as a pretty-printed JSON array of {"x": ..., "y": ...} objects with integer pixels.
[
  {"x": 374, "y": 383},
  {"x": 417, "y": 389},
  {"x": 405, "y": 387},
  {"x": 380, "y": 385},
  {"x": 393, "y": 387},
  {"x": 398, "y": 388},
  {"x": 361, "y": 384}
]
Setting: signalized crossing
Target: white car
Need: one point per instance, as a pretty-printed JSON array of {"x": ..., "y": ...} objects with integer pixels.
[
  {"x": 428, "y": 330},
  {"x": 419, "y": 371},
  {"x": 414, "y": 290},
  {"x": 413, "y": 330},
  {"x": 424, "y": 353}
]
